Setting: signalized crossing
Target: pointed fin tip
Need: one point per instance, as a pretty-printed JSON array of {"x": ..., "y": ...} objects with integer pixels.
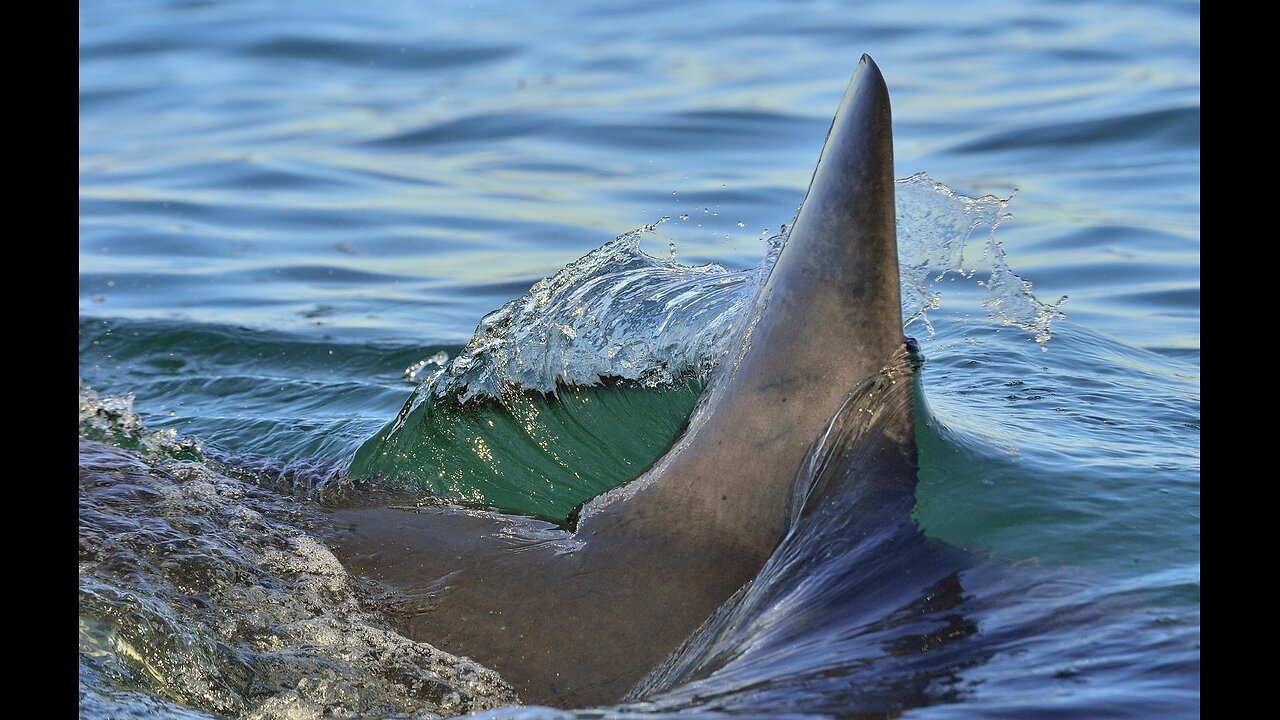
[{"x": 868, "y": 73}]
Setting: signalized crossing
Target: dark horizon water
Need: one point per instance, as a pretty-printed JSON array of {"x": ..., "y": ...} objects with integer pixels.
[{"x": 282, "y": 209}]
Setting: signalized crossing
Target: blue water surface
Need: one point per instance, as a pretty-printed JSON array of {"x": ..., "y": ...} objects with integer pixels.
[{"x": 284, "y": 205}]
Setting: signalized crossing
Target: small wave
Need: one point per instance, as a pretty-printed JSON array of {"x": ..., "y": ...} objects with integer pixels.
[
  {"x": 112, "y": 419},
  {"x": 1174, "y": 126},
  {"x": 619, "y": 312}
]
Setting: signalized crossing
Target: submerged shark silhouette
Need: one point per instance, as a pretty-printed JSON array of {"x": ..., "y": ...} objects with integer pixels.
[{"x": 575, "y": 618}]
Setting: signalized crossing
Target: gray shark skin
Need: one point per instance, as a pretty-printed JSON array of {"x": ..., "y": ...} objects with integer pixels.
[{"x": 578, "y": 618}]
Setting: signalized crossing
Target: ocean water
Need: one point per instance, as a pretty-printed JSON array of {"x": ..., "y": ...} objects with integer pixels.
[{"x": 294, "y": 218}]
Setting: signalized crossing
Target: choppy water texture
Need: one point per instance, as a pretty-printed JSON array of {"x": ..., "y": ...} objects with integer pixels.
[{"x": 287, "y": 211}]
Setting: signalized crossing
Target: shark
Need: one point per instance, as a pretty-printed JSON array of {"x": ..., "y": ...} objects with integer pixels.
[{"x": 578, "y": 615}]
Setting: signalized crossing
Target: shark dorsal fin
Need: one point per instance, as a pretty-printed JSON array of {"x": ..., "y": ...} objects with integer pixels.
[{"x": 828, "y": 317}]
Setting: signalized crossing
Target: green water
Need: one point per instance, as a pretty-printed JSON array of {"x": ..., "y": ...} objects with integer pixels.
[{"x": 529, "y": 453}]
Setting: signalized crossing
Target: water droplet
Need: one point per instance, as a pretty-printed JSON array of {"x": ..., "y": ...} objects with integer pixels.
[
  {"x": 741, "y": 224},
  {"x": 684, "y": 216}
]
